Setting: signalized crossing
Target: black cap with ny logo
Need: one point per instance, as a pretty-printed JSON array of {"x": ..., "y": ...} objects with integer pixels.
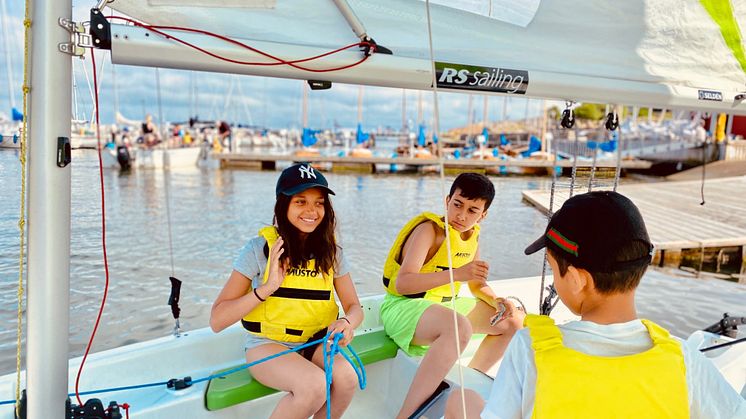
[{"x": 299, "y": 177}]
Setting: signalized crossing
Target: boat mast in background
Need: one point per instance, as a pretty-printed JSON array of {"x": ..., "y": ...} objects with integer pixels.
[
  {"x": 49, "y": 190},
  {"x": 485, "y": 130},
  {"x": 4, "y": 19}
]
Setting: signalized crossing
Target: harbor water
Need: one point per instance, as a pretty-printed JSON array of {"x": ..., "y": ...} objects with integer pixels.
[{"x": 212, "y": 213}]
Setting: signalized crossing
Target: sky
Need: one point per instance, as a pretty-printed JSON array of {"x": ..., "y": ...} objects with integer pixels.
[{"x": 269, "y": 102}]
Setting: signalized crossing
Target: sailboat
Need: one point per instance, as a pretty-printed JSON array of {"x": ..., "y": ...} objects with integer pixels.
[
  {"x": 308, "y": 136},
  {"x": 539, "y": 60},
  {"x": 10, "y": 125},
  {"x": 360, "y": 136}
]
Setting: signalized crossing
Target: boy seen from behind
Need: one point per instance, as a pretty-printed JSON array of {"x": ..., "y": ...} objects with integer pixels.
[{"x": 610, "y": 363}]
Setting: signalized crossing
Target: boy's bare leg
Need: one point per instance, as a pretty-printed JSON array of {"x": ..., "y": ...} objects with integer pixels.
[
  {"x": 498, "y": 337},
  {"x": 435, "y": 328},
  {"x": 454, "y": 407}
]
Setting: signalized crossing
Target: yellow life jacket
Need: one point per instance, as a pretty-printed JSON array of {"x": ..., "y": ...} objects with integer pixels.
[
  {"x": 571, "y": 384},
  {"x": 462, "y": 253},
  {"x": 303, "y": 305}
]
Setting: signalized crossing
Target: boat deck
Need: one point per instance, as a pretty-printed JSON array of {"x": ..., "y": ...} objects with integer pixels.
[{"x": 677, "y": 222}]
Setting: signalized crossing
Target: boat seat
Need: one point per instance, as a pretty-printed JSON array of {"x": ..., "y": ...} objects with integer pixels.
[{"x": 240, "y": 387}]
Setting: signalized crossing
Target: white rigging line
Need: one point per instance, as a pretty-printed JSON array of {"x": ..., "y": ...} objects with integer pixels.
[
  {"x": 166, "y": 170},
  {"x": 228, "y": 99},
  {"x": 76, "y": 115},
  {"x": 246, "y": 108},
  {"x": 436, "y": 127},
  {"x": 90, "y": 89},
  {"x": 116, "y": 90},
  {"x": 161, "y": 123}
]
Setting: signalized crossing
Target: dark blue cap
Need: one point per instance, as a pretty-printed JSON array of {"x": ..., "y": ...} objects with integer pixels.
[
  {"x": 299, "y": 177},
  {"x": 590, "y": 230}
]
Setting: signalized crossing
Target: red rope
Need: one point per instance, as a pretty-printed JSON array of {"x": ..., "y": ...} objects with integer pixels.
[
  {"x": 103, "y": 231},
  {"x": 279, "y": 61},
  {"x": 124, "y": 406}
]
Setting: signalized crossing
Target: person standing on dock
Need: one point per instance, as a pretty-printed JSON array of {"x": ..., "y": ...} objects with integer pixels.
[
  {"x": 417, "y": 310},
  {"x": 150, "y": 134},
  {"x": 282, "y": 290},
  {"x": 224, "y": 134}
]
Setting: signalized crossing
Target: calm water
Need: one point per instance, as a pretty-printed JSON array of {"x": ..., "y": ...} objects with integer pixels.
[{"x": 214, "y": 212}]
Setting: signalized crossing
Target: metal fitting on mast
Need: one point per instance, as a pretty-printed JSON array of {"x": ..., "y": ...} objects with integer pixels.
[{"x": 99, "y": 35}]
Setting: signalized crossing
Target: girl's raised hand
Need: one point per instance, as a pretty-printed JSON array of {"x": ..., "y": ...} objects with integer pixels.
[{"x": 277, "y": 269}]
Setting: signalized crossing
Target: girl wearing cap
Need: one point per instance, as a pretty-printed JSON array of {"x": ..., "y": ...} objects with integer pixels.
[{"x": 282, "y": 290}]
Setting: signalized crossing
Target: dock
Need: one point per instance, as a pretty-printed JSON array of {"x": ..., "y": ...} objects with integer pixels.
[
  {"x": 368, "y": 164},
  {"x": 718, "y": 169},
  {"x": 710, "y": 237}
]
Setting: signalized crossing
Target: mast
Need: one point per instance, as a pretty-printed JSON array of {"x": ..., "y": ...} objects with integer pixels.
[
  {"x": 485, "y": 111},
  {"x": 360, "y": 105},
  {"x": 470, "y": 116},
  {"x": 420, "y": 119},
  {"x": 304, "y": 111},
  {"x": 116, "y": 91},
  {"x": 8, "y": 65},
  {"x": 545, "y": 145},
  {"x": 404, "y": 111},
  {"x": 49, "y": 214},
  {"x": 304, "y": 120},
  {"x": 161, "y": 123}
]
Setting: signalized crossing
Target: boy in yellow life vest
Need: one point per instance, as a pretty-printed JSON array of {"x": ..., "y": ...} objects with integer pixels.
[
  {"x": 610, "y": 364},
  {"x": 417, "y": 310}
]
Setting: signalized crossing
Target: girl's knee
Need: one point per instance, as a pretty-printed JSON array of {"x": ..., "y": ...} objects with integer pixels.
[
  {"x": 344, "y": 377},
  {"x": 312, "y": 391}
]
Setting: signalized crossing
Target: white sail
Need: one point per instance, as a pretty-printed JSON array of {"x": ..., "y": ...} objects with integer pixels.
[
  {"x": 665, "y": 53},
  {"x": 122, "y": 120}
]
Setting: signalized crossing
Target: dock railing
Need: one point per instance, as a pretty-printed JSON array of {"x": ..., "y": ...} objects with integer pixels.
[
  {"x": 635, "y": 145},
  {"x": 735, "y": 150}
]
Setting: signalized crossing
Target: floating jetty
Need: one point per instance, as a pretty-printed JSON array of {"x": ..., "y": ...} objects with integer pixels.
[
  {"x": 368, "y": 164},
  {"x": 709, "y": 237}
]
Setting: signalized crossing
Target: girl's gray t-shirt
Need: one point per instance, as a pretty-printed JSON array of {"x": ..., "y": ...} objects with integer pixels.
[{"x": 251, "y": 261}]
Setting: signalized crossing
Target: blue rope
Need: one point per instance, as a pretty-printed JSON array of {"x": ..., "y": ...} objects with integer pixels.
[{"x": 328, "y": 352}]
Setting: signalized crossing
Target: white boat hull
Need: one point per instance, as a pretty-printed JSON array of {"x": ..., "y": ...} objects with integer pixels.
[
  {"x": 201, "y": 352},
  {"x": 169, "y": 158},
  {"x": 8, "y": 141}
]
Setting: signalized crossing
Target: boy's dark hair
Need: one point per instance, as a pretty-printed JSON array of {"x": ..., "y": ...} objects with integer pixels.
[
  {"x": 618, "y": 281},
  {"x": 474, "y": 186},
  {"x": 602, "y": 232},
  {"x": 320, "y": 244}
]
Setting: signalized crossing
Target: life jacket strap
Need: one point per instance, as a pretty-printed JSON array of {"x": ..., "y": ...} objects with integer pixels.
[
  {"x": 256, "y": 327},
  {"x": 545, "y": 335},
  {"x": 302, "y": 294}
]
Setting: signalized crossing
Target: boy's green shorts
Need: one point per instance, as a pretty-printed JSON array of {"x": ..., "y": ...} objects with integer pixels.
[{"x": 400, "y": 316}]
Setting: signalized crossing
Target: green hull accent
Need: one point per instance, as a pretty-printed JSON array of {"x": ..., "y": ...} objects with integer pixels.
[
  {"x": 240, "y": 387},
  {"x": 722, "y": 13}
]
